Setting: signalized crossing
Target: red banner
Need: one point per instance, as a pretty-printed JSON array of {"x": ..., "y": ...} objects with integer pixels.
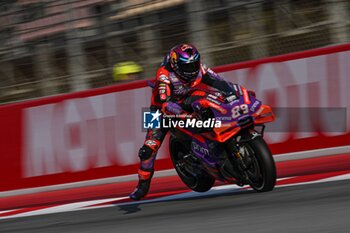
[{"x": 97, "y": 133}]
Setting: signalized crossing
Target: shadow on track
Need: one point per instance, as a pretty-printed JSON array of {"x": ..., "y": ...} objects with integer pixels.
[{"x": 131, "y": 208}]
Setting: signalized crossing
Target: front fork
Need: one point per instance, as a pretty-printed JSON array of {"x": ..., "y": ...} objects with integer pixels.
[
  {"x": 235, "y": 158},
  {"x": 240, "y": 162}
]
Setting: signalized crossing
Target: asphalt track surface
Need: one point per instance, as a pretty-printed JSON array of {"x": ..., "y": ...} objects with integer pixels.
[{"x": 320, "y": 207}]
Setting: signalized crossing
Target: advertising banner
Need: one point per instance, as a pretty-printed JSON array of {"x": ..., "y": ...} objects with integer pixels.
[{"x": 97, "y": 133}]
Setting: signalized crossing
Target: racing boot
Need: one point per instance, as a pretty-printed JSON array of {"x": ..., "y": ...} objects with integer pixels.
[{"x": 143, "y": 185}]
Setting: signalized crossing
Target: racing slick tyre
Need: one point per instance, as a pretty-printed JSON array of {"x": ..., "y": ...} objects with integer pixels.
[{"x": 262, "y": 169}]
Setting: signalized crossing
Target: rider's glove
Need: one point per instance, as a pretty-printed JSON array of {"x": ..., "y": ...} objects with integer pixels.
[
  {"x": 195, "y": 115},
  {"x": 252, "y": 93},
  {"x": 231, "y": 96}
]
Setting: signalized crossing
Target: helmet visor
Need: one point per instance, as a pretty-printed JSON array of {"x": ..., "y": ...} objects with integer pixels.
[{"x": 192, "y": 67}]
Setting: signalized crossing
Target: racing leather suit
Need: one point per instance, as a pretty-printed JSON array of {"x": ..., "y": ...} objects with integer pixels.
[{"x": 166, "y": 95}]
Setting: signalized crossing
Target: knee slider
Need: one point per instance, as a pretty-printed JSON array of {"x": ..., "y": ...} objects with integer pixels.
[{"x": 145, "y": 153}]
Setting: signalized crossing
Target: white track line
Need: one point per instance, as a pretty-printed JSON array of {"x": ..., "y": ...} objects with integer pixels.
[
  {"x": 6, "y": 211},
  {"x": 219, "y": 190},
  {"x": 312, "y": 153},
  {"x": 66, "y": 207},
  {"x": 171, "y": 172},
  {"x": 110, "y": 180}
]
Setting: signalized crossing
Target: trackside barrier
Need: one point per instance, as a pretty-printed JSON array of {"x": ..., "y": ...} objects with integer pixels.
[{"x": 97, "y": 133}]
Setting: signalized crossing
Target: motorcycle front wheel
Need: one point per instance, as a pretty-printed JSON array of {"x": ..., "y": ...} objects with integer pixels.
[{"x": 261, "y": 169}]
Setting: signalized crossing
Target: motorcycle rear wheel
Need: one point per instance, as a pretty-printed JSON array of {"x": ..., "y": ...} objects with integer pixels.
[{"x": 199, "y": 181}]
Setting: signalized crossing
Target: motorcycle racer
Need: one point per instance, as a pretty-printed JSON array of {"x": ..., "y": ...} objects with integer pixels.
[{"x": 180, "y": 72}]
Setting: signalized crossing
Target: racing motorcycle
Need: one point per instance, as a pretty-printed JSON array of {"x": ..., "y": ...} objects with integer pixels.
[{"x": 235, "y": 152}]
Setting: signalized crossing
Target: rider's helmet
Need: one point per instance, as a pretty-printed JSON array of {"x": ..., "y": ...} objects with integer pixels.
[{"x": 185, "y": 62}]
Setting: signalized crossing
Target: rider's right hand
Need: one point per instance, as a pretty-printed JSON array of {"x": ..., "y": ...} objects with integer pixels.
[{"x": 195, "y": 115}]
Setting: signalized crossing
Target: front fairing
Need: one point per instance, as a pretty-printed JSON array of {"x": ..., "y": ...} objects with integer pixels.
[{"x": 243, "y": 112}]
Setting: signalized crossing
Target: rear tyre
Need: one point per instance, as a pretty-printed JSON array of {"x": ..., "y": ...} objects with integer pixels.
[{"x": 198, "y": 181}]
